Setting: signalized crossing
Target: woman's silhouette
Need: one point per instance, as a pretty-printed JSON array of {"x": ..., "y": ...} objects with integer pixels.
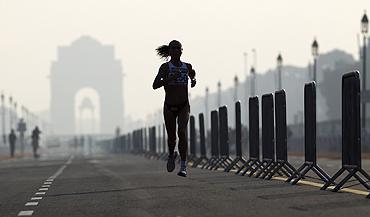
[{"x": 173, "y": 76}]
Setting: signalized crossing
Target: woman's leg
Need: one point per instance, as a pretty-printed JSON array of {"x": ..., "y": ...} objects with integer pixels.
[
  {"x": 182, "y": 122},
  {"x": 170, "y": 122}
]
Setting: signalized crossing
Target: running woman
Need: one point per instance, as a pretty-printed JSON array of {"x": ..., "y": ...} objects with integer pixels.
[{"x": 173, "y": 76}]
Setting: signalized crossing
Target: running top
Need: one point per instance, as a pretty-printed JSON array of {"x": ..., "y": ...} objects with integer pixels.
[{"x": 177, "y": 89}]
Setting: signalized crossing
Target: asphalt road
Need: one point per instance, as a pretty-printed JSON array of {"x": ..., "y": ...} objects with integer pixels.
[{"x": 128, "y": 185}]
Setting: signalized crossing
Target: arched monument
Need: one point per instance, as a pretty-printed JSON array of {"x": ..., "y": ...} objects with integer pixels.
[
  {"x": 87, "y": 105},
  {"x": 86, "y": 63}
]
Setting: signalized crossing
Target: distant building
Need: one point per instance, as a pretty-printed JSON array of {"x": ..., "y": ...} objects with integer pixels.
[{"x": 86, "y": 63}]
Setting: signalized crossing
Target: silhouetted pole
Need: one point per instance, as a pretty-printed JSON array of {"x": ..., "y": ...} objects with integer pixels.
[
  {"x": 253, "y": 82},
  {"x": 309, "y": 69},
  {"x": 246, "y": 84},
  {"x": 364, "y": 30},
  {"x": 254, "y": 58},
  {"x": 3, "y": 117},
  {"x": 16, "y": 112},
  {"x": 253, "y": 73},
  {"x": 315, "y": 54},
  {"x": 245, "y": 55},
  {"x": 26, "y": 118},
  {"x": 10, "y": 113},
  {"x": 236, "y": 84},
  {"x": 32, "y": 119},
  {"x": 279, "y": 61},
  {"x": 219, "y": 94},
  {"x": 206, "y": 107}
]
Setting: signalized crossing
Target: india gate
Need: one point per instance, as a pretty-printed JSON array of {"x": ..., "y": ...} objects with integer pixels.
[{"x": 86, "y": 63}]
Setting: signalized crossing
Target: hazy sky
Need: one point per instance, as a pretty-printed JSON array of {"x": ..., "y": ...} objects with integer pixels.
[{"x": 214, "y": 35}]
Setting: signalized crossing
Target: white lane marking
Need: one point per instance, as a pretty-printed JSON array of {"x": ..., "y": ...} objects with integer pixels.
[
  {"x": 59, "y": 172},
  {"x": 40, "y": 193},
  {"x": 45, "y": 187},
  {"x": 25, "y": 213}
]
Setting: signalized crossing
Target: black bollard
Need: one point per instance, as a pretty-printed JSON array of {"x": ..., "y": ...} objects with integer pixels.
[
  {"x": 164, "y": 154},
  {"x": 203, "y": 155},
  {"x": 239, "y": 159},
  {"x": 215, "y": 151},
  {"x": 268, "y": 141},
  {"x": 152, "y": 142},
  {"x": 253, "y": 163},
  {"x": 282, "y": 166},
  {"x": 225, "y": 160},
  {"x": 192, "y": 156},
  {"x": 351, "y": 137}
]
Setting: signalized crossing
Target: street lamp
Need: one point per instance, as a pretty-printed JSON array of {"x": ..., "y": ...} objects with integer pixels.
[
  {"x": 309, "y": 71},
  {"x": 364, "y": 24},
  {"x": 364, "y": 31},
  {"x": 15, "y": 112},
  {"x": 3, "y": 117},
  {"x": 10, "y": 112},
  {"x": 26, "y": 116},
  {"x": 253, "y": 82},
  {"x": 245, "y": 55},
  {"x": 219, "y": 93},
  {"x": 279, "y": 61},
  {"x": 315, "y": 54},
  {"x": 206, "y": 107},
  {"x": 246, "y": 84},
  {"x": 236, "y": 84}
]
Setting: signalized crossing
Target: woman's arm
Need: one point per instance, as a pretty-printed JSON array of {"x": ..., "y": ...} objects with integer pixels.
[
  {"x": 191, "y": 75},
  {"x": 159, "y": 80},
  {"x": 162, "y": 80}
]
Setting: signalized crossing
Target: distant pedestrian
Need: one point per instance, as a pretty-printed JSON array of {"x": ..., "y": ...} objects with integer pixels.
[
  {"x": 173, "y": 76},
  {"x": 12, "y": 140},
  {"x": 35, "y": 141},
  {"x": 21, "y": 128},
  {"x": 116, "y": 148}
]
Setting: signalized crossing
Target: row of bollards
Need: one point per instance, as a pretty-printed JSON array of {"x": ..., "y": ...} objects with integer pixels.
[{"x": 274, "y": 159}]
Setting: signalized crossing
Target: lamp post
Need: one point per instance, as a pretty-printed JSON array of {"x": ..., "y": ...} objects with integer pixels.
[
  {"x": 236, "y": 84},
  {"x": 10, "y": 112},
  {"x": 279, "y": 61},
  {"x": 15, "y": 112},
  {"x": 3, "y": 117},
  {"x": 253, "y": 82},
  {"x": 364, "y": 30},
  {"x": 309, "y": 71},
  {"x": 26, "y": 118},
  {"x": 315, "y": 54},
  {"x": 254, "y": 52},
  {"x": 219, "y": 94},
  {"x": 206, "y": 108},
  {"x": 246, "y": 85},
  {"x": 253, "y": 73},
  {"x": 245, "y": 55}
]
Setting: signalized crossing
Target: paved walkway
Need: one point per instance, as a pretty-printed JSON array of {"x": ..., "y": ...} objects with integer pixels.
[{"x": 128, "y": 185}]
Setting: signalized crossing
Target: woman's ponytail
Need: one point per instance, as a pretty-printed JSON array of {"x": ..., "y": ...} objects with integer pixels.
[{"x": 163, "y": 51}]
